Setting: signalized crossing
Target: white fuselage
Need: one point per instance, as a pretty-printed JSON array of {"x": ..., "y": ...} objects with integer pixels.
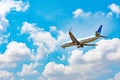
[
  {"x": 82, "y": 42},
  {"x": 87, "y": 40}
]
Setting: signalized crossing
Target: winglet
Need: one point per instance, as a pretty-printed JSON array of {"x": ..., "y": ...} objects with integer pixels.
[
  {"x": 63, "y": 47},
  {"x": 70, "y": 29}
]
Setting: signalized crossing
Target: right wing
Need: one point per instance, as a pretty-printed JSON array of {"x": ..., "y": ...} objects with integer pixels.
[{"x": 73, "y": 37}]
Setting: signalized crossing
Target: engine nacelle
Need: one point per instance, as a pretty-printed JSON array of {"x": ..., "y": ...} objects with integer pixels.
[{"x": 79, "y": 46}]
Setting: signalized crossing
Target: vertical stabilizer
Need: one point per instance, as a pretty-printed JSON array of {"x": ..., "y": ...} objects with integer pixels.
[
  {"x": 100, "y": 29},
  {"x": 97, "y": 33}
]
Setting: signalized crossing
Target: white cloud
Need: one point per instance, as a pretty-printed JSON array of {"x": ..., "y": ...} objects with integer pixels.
[
  {"x": 110, "y": 14},
  {"x": 62, "y": 37},
  {"x": 44, "y": 41},
  {"x": 15, "y": 52},
  {"x": 53, "y": 28},
  {"x": 75, "y": 57},
  {"x": 54, "y": 71},
  {"x": 80, "y": 13},
  {"x": 8, "y": 5},
  {"x": 28, "y": 70},
  {"x": 5, "y": 75},
  {"x": 3, "y": 23},
  {"x": 5, "y": 7},
  {"x": 3, "y": 38},
  {"x": 115, "y": 8},
  {"x": 90, "y": 65},
  {"x": 105, "y": 50},
  {"x": 116, "y": 77},
  {"x": 78, "y": 71}
]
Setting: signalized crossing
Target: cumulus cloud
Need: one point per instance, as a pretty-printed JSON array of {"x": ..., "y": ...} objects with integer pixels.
[
  {"x": 5, "y": 75},
  {"x": 90, "y": 65},
  {"x": 104, "y": 51},
  {"x": 15, "y": 52},
  {"x": 80, "y": 13},
  {"x": 56, "y": 70},
  {"x": 75, "y": 57},
  {"x": 115, "y": 8},
  {"x": 8, "y": 5},
  {"x": 44, "y": 40},
  {"x": 62, "y": 37},
  {"x": 28, "y": 70},
  {"x": 5, "y": 7}
]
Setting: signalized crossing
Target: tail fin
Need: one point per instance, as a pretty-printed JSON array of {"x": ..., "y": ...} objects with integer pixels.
[
  {"x": 100, "y": 29},
  {"x": 97, "y": 33}
]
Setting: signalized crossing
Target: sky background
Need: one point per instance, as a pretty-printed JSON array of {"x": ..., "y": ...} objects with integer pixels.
[{"x": 32, "y": 31}]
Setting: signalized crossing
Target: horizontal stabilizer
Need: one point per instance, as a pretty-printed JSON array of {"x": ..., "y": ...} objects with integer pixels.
[
  {"x": 103, "y": 36},
  {"x": 63, "y": 47},
  {"x": 90, "y": 44}
]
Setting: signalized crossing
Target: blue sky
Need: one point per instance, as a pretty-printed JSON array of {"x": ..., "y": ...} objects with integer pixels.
[{"x": 31, "y": 33}]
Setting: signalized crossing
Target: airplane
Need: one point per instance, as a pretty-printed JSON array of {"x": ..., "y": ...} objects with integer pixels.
[{"x": 83, "y": 42}]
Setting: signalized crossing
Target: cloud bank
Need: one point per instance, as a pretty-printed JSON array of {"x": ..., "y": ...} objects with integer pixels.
[{"x": 90, "y": 65}]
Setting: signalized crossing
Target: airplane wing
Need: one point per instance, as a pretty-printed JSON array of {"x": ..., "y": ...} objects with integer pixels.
[
  {"x": 73, "y": 43},
  {"x": 90, "y": 44},
  {"x": 72, "y": 37},
  {"x": 67, "y": 45}
]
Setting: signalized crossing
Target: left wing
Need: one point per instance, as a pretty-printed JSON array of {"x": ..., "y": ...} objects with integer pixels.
[{"x": 68, "y": 45}]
